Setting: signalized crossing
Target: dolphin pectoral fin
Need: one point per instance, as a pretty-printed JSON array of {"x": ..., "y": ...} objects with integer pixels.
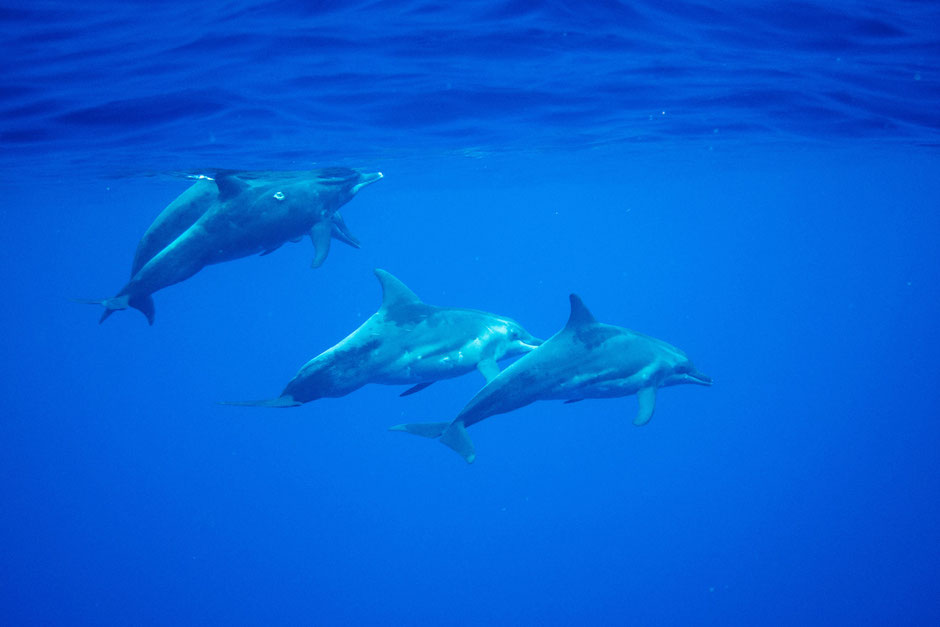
[
  {"x": 320, "y": 236},
  {"x": 424, "y": 429},
  {"x": 573, "y": 400},
  {"x": 416, "y": 388},
  {"x": 343, "y": 237},
  {"x": 489, "y": 369},
  {"x": 270, "y": 250},
  {"x": 647, "y": 398},
  {"x": 341, "y": 232},
  {"x": 455, "y": 436},
  {"x": 280, "y": 401}
]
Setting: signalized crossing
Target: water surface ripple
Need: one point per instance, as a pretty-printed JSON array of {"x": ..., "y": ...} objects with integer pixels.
[{"x": 270, "y": 81}]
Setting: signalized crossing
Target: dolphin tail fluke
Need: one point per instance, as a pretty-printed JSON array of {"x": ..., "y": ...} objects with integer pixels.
[
  {"x": 110, "y": 304},
  {"x": 143, "y": 304},
  {"x": 280, "y": 401},
  {"x": 451, "y": 434},
  {"x": 424, "y": 429},
  {"x": 106, "y": 314},
  {"x": 456, "y": 437}
]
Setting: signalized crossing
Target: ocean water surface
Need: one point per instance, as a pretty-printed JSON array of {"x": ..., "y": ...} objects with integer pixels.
[{"x": 755, "y": 183}]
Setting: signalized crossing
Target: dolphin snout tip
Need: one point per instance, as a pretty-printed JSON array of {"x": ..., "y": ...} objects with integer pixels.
[
  {"x": 367, "y": 179},
  {"x": 701, "y": 378}
]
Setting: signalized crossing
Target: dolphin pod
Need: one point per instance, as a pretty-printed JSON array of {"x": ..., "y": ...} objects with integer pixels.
[
  {"x": 234, "y": 215},
  {"x": 586, "y": 359},
  {"x": 406, "y": 342}
]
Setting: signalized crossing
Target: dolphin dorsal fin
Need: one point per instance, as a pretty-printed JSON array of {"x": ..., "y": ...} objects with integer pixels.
[
  {"x": 394, "y": 292},
  {"x": 579, "y": 313},
  {"x": 229, "y": 184}
]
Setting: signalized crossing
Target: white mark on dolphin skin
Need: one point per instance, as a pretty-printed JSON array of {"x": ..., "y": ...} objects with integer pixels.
[{"x": 279, "y": 195}]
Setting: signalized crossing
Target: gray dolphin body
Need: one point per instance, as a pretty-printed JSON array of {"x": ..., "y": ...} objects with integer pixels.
[
  {"x": 234, "y": 215},
  {"x": 406, "y": 342},
  {"x": 586, "y": 359}
]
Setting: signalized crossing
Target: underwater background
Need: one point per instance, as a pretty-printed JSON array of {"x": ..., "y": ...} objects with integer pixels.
[{"x": 756, "y": 183}]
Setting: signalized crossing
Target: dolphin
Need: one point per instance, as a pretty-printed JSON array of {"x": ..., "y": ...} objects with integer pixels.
[
  {"x": 586, "y": 359},
  {"x": 406, "y": 342},
  {"x": 233, "y": 215}
]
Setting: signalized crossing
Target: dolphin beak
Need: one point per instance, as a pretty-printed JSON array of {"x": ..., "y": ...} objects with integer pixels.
[
  {"x": 532, "y": 343},
  {"x": 366, "y": 179},
  {"x": 699, "y": 378}
]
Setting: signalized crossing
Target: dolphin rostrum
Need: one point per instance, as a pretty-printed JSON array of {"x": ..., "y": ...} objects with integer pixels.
[
  {"x": 586, "y": 359},
  {"x": 234, "y": 215},
  {"x": 406, "y": 342}
]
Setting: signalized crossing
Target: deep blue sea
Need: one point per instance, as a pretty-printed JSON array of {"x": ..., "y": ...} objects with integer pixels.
[{"x": 757, "y": 183}]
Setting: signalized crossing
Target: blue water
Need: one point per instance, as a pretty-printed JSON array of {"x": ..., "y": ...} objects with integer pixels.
[{"x": 756, "y": 183}]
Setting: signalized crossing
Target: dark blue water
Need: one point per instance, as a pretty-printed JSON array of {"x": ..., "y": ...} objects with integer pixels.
[{"x": 755, "y": 183}]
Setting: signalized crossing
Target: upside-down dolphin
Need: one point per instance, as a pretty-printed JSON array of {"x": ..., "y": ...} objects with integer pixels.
[
  {"x": 586, "y": 359},
  {"x": 406, "y": 342},
  {"x": 234, "y": 215}
]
